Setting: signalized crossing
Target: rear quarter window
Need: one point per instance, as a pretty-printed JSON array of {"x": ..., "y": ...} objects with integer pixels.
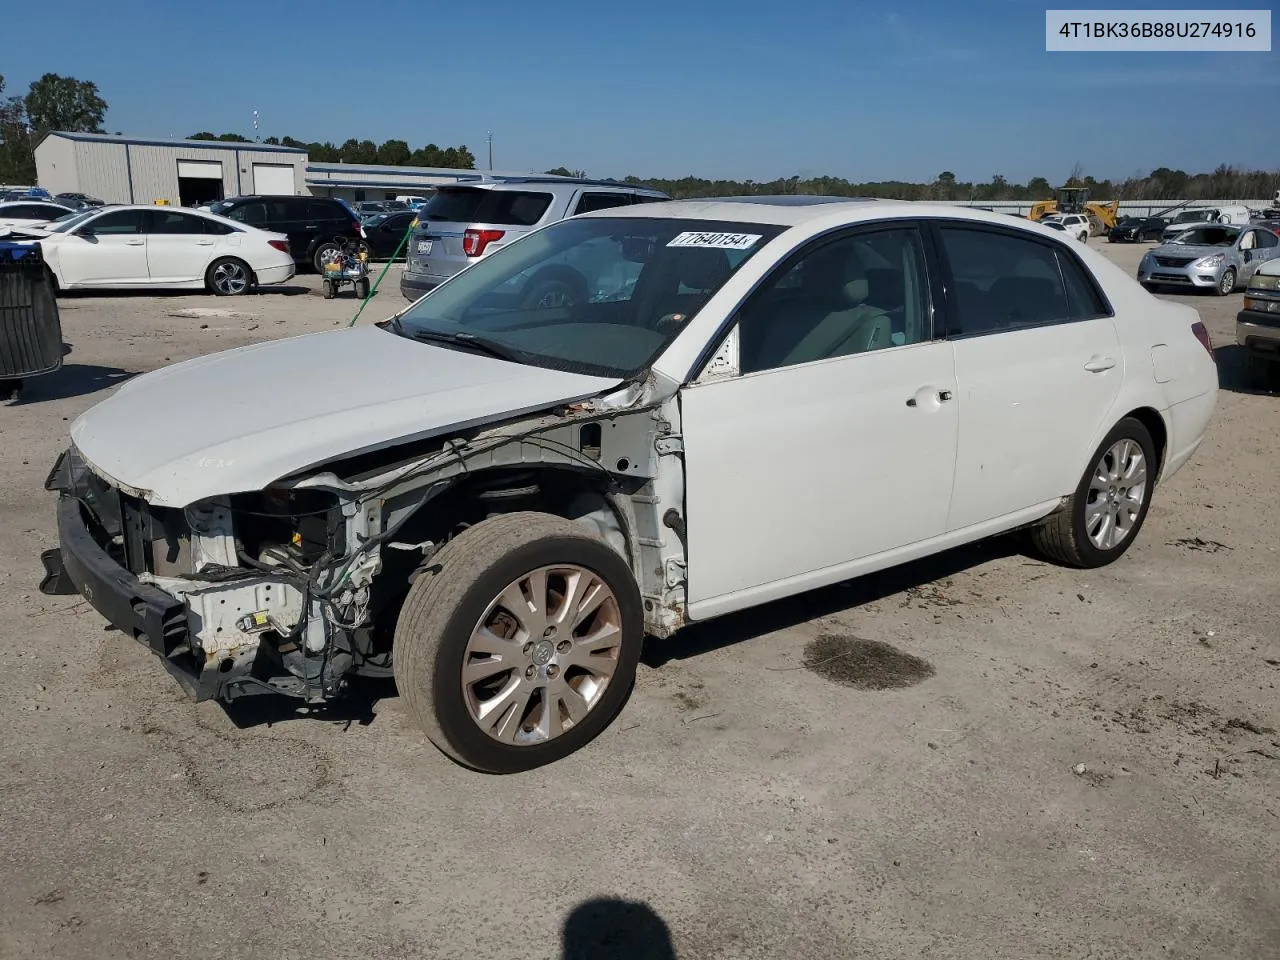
[{"x": 517, "y": 208}]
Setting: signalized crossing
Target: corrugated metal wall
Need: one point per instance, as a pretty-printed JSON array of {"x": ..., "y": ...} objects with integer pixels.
[
  {"x": 56, "y": 165},
  {"x": 145, "y": 173},
  {"x": 103, "y": 171}
]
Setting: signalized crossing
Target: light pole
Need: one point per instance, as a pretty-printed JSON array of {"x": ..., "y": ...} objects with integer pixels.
[{"x": 489, "y": 139}]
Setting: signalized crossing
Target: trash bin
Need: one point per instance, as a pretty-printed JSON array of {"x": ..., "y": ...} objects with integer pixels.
[{"x": 30, "y": 328}]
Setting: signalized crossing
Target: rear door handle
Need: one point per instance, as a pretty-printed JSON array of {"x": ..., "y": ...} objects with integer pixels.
[
  {"x": 204, "y": 243},
  {"x": 1099, "y": 364},
  {"x": 942, "y": 395}
]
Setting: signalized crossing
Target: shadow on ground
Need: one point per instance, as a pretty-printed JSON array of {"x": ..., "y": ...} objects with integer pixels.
[
  {"x": 617, "y": 929},
  {"x": 700, "y": 638},
  {"x": 1236, "y": 374},
  {"x": 279, "y": 289},
  {"x": 73, "y": 380},
  {"x": 850, "y": 661}
]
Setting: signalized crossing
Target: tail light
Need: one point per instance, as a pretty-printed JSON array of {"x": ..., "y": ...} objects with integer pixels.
[
  {"x": 1202, "y": 334},
  {"x": 475, "y": 241},
  {"x": 281, "y": 245}
]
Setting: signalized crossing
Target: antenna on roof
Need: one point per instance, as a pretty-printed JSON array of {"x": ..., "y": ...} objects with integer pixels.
[{"x": 255, "y": 127}]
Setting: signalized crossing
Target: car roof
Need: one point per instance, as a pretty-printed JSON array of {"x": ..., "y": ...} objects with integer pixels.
[
  {"x": 791, "y": 211},
  {"x": 28, "y": 201},
  {"x": 515, "y": 183}
]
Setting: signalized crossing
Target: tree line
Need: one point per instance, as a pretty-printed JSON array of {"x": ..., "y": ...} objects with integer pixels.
[
  {"x": 51, "y": 103},
  {"x": 1224, "y": 183},
  {"x": 396, "y": 153}
]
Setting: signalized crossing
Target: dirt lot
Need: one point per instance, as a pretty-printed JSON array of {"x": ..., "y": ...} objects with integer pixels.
[{"x": 743, "y": 805}]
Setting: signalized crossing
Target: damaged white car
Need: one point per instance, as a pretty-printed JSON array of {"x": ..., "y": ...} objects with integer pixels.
[{"x": 620, "y": 424}]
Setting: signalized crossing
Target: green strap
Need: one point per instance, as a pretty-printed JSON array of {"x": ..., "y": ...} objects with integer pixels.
[{"x": 374, "y": 289}]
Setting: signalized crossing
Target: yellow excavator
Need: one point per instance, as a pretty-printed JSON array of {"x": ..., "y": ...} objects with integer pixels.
[{"x": 1102, "y": 216}]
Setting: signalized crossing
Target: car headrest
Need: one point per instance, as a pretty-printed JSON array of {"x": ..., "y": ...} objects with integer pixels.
[
  {"x": 703, "y": 269},
  {"x": 837, "y": 271}
]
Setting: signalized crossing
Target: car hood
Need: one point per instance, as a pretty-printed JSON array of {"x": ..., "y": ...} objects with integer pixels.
[
  {"x": 1190, "y": 250},
  {"x": 238, "y": 420}
]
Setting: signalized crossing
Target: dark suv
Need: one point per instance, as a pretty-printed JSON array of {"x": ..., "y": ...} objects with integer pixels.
[{"x": 313, "y": 224}]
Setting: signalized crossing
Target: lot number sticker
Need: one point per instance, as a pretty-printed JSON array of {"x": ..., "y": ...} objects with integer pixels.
[{"x": 716, "y": 241}]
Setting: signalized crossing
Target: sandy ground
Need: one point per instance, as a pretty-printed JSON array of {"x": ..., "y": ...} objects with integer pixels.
[{"x": 742, "y": 806}]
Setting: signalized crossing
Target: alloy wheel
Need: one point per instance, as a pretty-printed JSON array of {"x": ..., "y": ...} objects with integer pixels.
[
  {"x": 541, "y": 656},
  {"x": 1117, "y": 491},
  {"x": 230, "y": 278}
]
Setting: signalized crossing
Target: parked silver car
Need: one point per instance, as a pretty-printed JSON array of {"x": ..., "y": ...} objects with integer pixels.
[
  {"x": 1211, "y": 257},
  {"x": 461, "y": 224}
]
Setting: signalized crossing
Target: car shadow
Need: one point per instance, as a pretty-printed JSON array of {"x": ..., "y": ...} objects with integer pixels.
[
  {"x": 698, "y": 639},
  {"x": 1233, "y": 372},
  {"x": 359, "y": 705},
  {"x": 72, "y": 380},
  {"x": 356, "y": 707},
  {"x": 277, "y": 289}
]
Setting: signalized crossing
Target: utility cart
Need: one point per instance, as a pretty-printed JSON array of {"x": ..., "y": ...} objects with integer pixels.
[{"x": 347, "y": 264}]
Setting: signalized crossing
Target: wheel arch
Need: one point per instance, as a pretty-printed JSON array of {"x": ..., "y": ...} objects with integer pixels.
[{"x": 1154, "y": 421}]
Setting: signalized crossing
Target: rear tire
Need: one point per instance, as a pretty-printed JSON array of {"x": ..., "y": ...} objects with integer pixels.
[
  {"x": 519, "y": 717},
  {"x": 362, "y": 288},
  {"x": 322, "y": 251},
  {"x": 1076, "y": 534},
  {"x": 229, "y": 277}
]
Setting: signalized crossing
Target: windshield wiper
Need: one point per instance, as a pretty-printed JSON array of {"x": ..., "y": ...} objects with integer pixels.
[{"x": 468, "y": 341}]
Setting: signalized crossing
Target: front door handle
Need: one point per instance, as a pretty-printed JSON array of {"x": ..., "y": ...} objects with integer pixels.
[
  {"x": 135, "y": 243},
  {"x": 1098, "y": 364}
]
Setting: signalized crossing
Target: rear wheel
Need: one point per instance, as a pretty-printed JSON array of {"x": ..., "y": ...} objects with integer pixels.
[
  {"x": 229, "y": 277},
  {"x": 323, "y": 252},
  {"x": 518, "y": 642},
  {"x": 1099, "y": 521}
]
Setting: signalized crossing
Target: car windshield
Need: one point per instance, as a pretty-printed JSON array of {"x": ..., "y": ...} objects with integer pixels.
[
  {"x": 1208, "y": 237},
  {"x": 1192, "y": 216},
  {"x": 70, "y": 221},
  {"x": 599, "y": 295}
]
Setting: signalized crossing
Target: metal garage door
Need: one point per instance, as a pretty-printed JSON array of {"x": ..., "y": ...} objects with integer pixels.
[
  {"x": 273, "y": 178},
  {"x": 200, "y": 169}
]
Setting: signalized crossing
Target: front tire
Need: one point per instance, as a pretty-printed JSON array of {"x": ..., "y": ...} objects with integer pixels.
[
  {"x": 362, "y": 288},
  {"x": 518, "y": 642},
  {"x": 1102, "y": 517},
  {"x": 1227, "y": 282}
]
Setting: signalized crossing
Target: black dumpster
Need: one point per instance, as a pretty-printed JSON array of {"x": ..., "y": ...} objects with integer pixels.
[{"x": 30, "y": 328}]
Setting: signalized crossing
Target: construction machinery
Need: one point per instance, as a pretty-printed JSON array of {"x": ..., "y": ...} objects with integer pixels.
[{"x": 1102, "y": 216}]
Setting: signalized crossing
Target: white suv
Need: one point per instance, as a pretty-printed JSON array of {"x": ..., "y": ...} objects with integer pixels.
[
  {"x": 461, "y": 224},
  {"x": 1073, "y": 224}
]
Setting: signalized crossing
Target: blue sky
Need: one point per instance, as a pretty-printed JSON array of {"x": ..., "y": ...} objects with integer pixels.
[{"x": 743, "y": 89}]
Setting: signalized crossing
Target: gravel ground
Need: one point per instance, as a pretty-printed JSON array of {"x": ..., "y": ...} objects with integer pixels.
[{"x": 1004, "y": 760}]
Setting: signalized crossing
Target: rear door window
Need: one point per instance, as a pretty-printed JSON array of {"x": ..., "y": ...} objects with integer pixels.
[{"x": 517, "y": 208}]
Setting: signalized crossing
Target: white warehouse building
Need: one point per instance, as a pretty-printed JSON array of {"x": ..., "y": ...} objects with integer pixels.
[
  {"x": 118, "y": 169},
  {"x": 186, "y": 173}
]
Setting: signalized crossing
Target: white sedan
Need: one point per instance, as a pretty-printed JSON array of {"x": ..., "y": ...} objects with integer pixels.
[
  {"x": 1073, "y": 224},
  {"x": 728, "y": 402},
  {"x": 138, "y": 247},
  {"x": 28, "y": 213}
]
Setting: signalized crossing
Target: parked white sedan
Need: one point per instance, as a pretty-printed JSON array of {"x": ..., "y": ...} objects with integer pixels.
[
  {"x": 499, "y": 493},
  {"x": 27, "y": 213},
  {"x": 163, "y": 247}
]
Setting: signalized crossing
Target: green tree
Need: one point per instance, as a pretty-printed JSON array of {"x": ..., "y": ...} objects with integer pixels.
[
  {"x": 564, "y": 172},
  {"x": 17, "y": 163},
  {"x": 944, "y": 187},
  {"x": 1038, "y": 189},
  {"x": 394, "y": 153},
  {"x": 358, "y": 151},
  {"x": 64, "y": 103},
  {"x": 203, "y": 135}
]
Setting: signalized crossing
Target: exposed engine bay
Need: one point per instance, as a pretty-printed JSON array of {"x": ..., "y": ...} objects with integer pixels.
[{"x": 296, "y": 588}]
